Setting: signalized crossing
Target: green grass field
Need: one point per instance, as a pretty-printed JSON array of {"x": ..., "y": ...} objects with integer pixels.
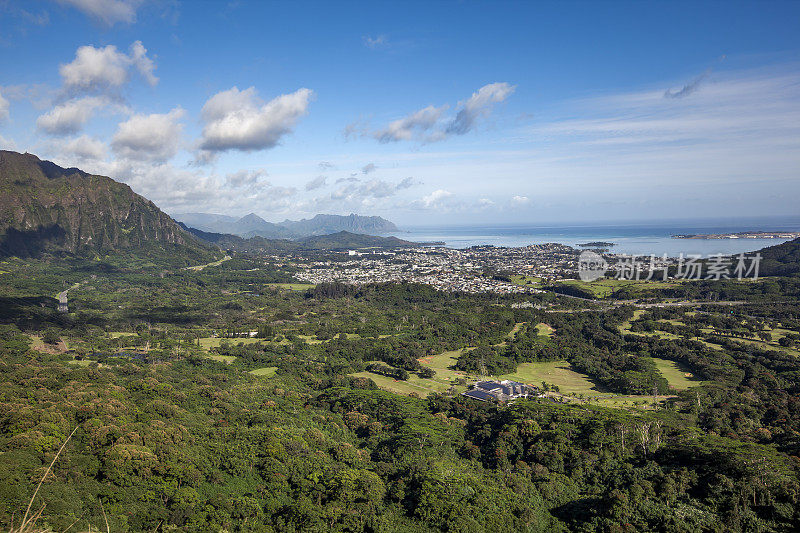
[
  {"x": 625, "y": 327},
  {"x": 415, "y": 384},
  {"x": 525, "y": 281},
  {"x": 544, "y": 330},
  {"x": 310, "y": 339},
  {"x": 678, "y": 376},
  {"x": 36, "y": 342},
  {"x": 291, "y": 286},
  {"x": 442, "y": 362},
  {"x": 555, "y": 373},
  {"x": 198, "y": 268},
  {"x": 266, "y": 372},
  {"x": 223, "y": 358}
]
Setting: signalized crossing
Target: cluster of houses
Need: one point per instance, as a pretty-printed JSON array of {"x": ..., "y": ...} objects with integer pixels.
[{"x": 501, "y": 391}]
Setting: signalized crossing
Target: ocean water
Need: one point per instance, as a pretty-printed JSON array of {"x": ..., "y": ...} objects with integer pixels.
[{"x": 630, "y": 238}]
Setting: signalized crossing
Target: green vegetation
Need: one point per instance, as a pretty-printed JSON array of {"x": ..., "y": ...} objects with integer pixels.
[
  {"x": 266, "y": 372},
  {"x": 46, "y": 209},
  {"x": 617, "y": 288},
  {"x": 679, "y": 376},
  {"x": 216, "y": 399},
  {"x": 291, "y": 286},
  {"x": 558, "y": 373}
]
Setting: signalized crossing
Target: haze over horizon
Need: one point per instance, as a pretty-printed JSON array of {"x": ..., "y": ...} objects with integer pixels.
[{"x": 434, "y": 114}]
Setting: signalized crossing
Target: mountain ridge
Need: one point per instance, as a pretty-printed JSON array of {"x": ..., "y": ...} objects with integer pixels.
[
  {"x": 46, "y": 208},
  {"x": 342, "y": 240},
  {"x": 252, "y": 225}
]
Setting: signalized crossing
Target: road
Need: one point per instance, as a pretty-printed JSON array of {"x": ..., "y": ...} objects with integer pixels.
[
  {"x": 63, "y": 306},
  {"x": 198, "y": 268}
]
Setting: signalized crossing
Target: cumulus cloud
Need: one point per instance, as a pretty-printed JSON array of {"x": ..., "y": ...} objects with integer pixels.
[
  {"x": 106, "y": 68},
  {"x": 239, "y": 120},
  {"x": 107, "y": 12},
  {"x": 316, "y": 183},
  {"x": 84, "y": 148},
  {"x": 351, "y": 179},
  {"x": 326, "y": 165},
  {"x": 153, "y": 137},
  {"x": 435, "y": 198},
  {"x": 478, "y": 105},
  {"x": 247, "y": 179},
  {"x": 72, "y": 115},
  {"x": 4, "y": 105},
  {"x": 369, "y": 167}
]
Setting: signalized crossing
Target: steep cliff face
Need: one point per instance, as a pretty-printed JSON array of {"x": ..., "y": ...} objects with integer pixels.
[{"x": 44, "y": 207}]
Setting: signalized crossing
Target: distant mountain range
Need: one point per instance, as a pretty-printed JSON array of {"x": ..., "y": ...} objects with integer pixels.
[
  {"x": 45, "y": 208},
  {"x": 254, "y": 226},
  {"x": 343, "y": 240}
]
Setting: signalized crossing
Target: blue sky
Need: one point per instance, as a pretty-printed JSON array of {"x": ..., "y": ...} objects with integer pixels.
[{"x": 424, "y": 113}]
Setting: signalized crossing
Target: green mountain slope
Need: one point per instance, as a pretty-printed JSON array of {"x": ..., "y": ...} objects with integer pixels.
[
  {"x": 781, "y": 260},
  {"x": 45, "y": 208}
]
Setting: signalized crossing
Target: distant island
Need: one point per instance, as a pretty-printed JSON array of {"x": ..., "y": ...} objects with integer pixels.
[
  {"x": 597, "y": 244},
  {"x": 742, "y": 235}
]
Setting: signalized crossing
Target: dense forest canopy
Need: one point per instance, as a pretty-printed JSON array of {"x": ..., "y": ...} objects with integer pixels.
[{"x": 228, "y": 398}]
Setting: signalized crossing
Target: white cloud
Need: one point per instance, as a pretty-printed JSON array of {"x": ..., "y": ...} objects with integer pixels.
[
  {"x": 4, "y": 105},
  {"x": 106, "y": 68},
  {"x": 145, "y": 65},
  {"x": 376, "y": 42},
  {"x": 72, "y": 115},
  {"x": 316, "y": 183},
  {"x": 7, "y": 144},
  {"x": 83, "y": 148},
  {"x": 413, "y": 126},
  {"x": 108, "y": 12},
  {"x": 435, "y": 198},
  {"x": 428, "y": 124},
  {"x": 369, "y": 167},
  {"x": 520, "y": 200},
  {"x": 247, "y": 179},
  {"x": 689, "y": 88},
  {"x": 479, "y": 105},
  {"x": 153, "y": 137},
  {"x": 239, "y": 120},
  {"x": 406, "y": 183},
  {"x": 377, "y": 189}
]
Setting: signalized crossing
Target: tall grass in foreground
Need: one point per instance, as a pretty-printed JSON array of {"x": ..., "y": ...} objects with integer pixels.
[{"x": 28, "y": 524}]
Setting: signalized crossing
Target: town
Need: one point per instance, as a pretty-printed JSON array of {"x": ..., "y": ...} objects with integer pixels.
[{"x": 472, "y": 270}]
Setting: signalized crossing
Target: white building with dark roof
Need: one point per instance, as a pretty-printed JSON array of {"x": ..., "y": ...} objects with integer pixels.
[{"x": 503, "y": 391}]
